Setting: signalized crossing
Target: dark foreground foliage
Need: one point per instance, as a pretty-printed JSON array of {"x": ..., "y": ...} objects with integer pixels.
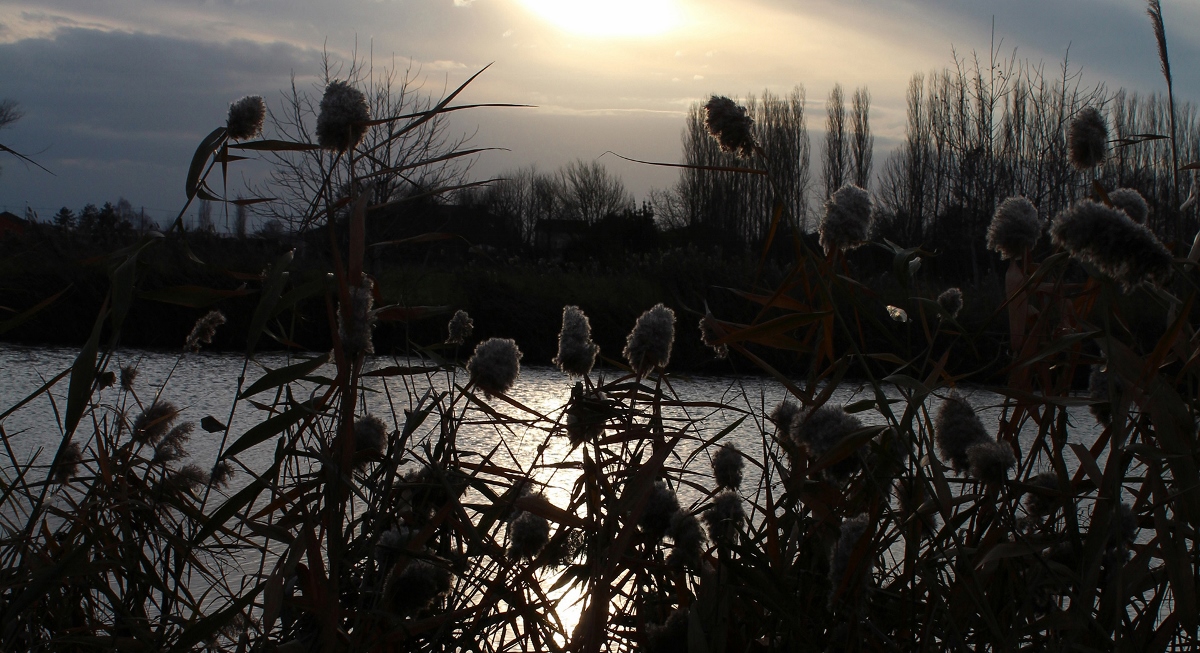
[{"x": 404, "y": 516}]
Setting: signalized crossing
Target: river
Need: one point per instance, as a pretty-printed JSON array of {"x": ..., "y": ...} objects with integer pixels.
[{"x": 204, "y": 384}]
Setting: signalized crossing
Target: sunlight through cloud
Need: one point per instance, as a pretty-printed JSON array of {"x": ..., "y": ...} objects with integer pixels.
[{"x": 608, "y": 18}]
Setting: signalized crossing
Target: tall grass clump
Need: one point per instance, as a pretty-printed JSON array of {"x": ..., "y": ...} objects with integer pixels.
[{"x": 411, "y": 500}]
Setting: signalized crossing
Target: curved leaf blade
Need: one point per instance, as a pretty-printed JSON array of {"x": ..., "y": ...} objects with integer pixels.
[{"x": 207, "y": 148}]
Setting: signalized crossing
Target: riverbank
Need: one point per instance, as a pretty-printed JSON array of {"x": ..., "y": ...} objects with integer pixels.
[{"x": 180, "y": 279}]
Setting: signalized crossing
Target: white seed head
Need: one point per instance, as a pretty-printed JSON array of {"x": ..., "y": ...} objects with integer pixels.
[
  {"x": 1015, "y": 228},
  {"x": 576, "y": 351},
  {"x": 847, "y": 220},
  {"x": 246, "y": 117},
  {"x": 495, "y": 365},
  {"x": 649, "y": 344}
]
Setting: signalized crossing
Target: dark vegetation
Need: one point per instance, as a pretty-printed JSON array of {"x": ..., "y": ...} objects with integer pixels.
[
  {"x": 633, "y": 523},
  {"x": 976, "y": 133}
]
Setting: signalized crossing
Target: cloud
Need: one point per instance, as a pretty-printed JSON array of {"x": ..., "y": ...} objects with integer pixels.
[
  {"x": 115, "y": 113},
  {"x": 25, "y": 24},
  {"x": 125, "y": 88},
  {"x": 443, "y": 64}
]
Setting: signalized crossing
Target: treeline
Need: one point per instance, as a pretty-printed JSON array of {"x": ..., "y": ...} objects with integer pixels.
[
  {"x": 726, "y": 210},
  {"x": 737, "y": 209},
  {"x": 976, "y": 135},
  {"x": 106, "y": 226},
  {"x": 584, "y": 191},
  {"x": 117, "y": 224}
]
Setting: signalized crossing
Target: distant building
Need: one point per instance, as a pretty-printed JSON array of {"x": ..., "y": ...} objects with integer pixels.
[
  {"x": 11, "y": 225},
  {"x": 552, "y": 237}
]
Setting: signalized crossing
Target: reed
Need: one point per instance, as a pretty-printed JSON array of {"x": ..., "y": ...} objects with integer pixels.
[{"x": 406, "y": 520}]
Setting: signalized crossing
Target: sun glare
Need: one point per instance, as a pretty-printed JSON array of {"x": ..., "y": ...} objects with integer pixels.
[{"x": 608, "y": 17}]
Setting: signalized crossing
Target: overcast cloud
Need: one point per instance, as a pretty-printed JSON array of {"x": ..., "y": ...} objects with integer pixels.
[{"x": 117, "y": 93}]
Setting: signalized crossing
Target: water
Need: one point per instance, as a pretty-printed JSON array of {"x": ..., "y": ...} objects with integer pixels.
[{"x": 204, "y": 385}]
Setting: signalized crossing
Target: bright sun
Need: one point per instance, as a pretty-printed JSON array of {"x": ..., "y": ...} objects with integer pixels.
[{"x": 608, "y": 17}]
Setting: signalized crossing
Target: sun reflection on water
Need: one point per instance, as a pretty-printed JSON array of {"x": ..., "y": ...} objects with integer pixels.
[{"x": 204, "y": 385}]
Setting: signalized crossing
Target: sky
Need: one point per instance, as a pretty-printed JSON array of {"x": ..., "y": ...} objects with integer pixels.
[{"x": 117, "y": 94}]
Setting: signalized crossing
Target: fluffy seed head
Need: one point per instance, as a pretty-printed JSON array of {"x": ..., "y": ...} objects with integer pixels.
[
  {"x": 951, "y": 301},
  {"x": 342, "y": 107},
  {"x": 576, "y": 351},
  {"x": 1132, "y": 203},
  {"x": 727, "y": 466},
  {"x": 852, "y": 532},
  {"x": 956, "y": 428},
  {"x": 356, "y": 321},
  {"x": 847, "y": 220},
  {"x": 724, "y": 517},
  {"x": 784, "y": 413},
  {"x": 427, "y": 488},
  {"x": 185, "y": 479},
  {"x": 821, "y": 429},
  {"x": 989, "y": 461},
  {"x": 460, "y": 328},
  {"x": 232, "y": 631},
  {"x": 649, "y": 344},
  {"x": 246, "y": 117},
  {"x": 885, "y": 454},
  {"x": 1087, "y": 139},
  {"x": 1116, "y": 245},
  {"x": 68, "y": 464},
  {"x": 222, "y": 474},
  {"x": 1041, "y": 503},
  {"x": 527, "y": 534},
  {"x": 415, "y": 587},
  {"x": 154, "y": 422},
  {"x": 784, "y": 416},
  {"x": 1015, "y": 228},
  {"x": 661, "y": 504},
  {"x": 390, "y": 545},
  {"x": 370, "y": 434},
  {"x": 128, "y": 376},
  {"x": 171, "y": 447},
  {"x": 586, "y": 415},
  {"x": 687, "y": 540},
  {"x": 495, "y": 365},
  {"x": 708, "y": 335},
  {"x": 728, "y": 123},
  {"x": 204, "y": 330}
]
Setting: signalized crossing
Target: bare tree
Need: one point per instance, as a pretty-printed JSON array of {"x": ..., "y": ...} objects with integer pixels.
[
  {"x": 836, "y": 162},
  {"x": 981, "y": 131},
  {"x": 9, "y": 113},
  {"x": 204, "y": 217},
  {"x": 591, "y": 192},
  {"x": 388, "y": 157},
  {"x": 670, "y": 207},
  {"x": 862, "y": 143},
  {"x": 521, "y": 198},
  {"x": 240, "y": 218},
  {"x": 142, "y": 222},
  {"x": 734, "y": 209}
]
